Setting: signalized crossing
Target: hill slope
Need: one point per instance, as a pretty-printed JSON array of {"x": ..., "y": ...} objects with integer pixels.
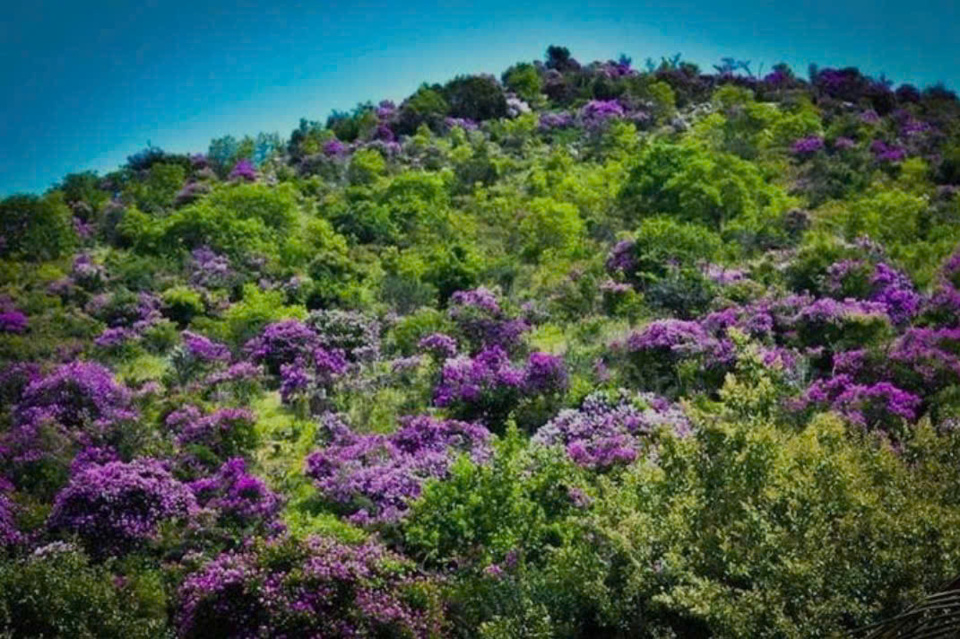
[{"x": 581, "y": 351}]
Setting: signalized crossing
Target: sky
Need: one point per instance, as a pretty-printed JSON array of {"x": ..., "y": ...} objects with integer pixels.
[{"x": 85, "y": 84}]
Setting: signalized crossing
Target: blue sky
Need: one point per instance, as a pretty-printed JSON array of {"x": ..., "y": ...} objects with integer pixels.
[{"x": 86, "y": 84}]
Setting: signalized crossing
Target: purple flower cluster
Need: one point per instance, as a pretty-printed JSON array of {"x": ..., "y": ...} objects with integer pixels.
[
  {"x": 671, "y": 341},
  {"x": 463, "y": 123},
  {"x": 483, "y": 323},
  {"x": 209, "y": 269},
  {"x": 13, "y": 321},
  {"x": 283, "y": 342},
  {"x": 226, "y": 432},
  {"x": 9, "y": 534},
  {"x": 896, "y": 292},
  {"x": 488, "y": 385},
  {"x": 354, "y": 334},
  {"x": 374, "y": 477},
  {"x": 203, "y": 349},
  {"x": 238, "y": 498},
  {"x": 884, "y": 152},
  {"x": 552, "y": 121},
  {"x": 844, "y": 143},
  {"x": 115, "y": 337},
  {"x": 118, "y": 506},
  {"x": 544, "y": 374},
  {"x": 317, "y": 587},
  {"x": 622, "y": 259},
  {"x": 76, "y": 395},
  {"x": 86, "y": 273},
  {"x": 596, "y": 113},
  {"x": 807, "y": 146},
  {"x": 334, "y": 148},
  {"x": 440, "y": 345},
  {"x": 244, "y": 170},
  {"x": 871, "y": 406},
  {"x": 612, "y": 429}
]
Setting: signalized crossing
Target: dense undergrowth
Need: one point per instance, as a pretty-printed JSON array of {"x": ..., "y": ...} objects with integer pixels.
[{"x": 584, "y": 351}]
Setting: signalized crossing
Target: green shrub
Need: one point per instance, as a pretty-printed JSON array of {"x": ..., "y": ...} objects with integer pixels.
[
  {"x": 34, "y": 228},
  {"x": 58, "y": 593}
]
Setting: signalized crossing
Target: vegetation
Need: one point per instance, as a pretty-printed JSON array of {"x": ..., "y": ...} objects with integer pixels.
[{"x": 585, "y": 351}]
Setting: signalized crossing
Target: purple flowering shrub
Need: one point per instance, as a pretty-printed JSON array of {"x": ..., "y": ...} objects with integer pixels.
[
  {"x": 210, "y": 270},
  {"x": 76, "y": 405},
  {"x": 238, "y": 500},
  {"x": 77, "y": 395},
  {"x": 482, "y": 322},
  {"x": 373, "y": 478},
  {"x": 284, "y": 342},
  {"x": 489, "y": 386},
  {"x": 197, "y": 356},
  {"x": 880, "y": 406},
  {"x": 656, "y": 353},
  {"x": 9, "y": 534},
  {"x": 842, "y": 324},
  {"x": 356, "y": 335},
  {"x": 117, "y": 507},
  {"x": 440, "y": 346},
  {"x": 612, "y": 429},
  {"x": 878, "y": 283},
  {"x": 317, "y": 587},
  {"x": 244, "y": 170},
  {"x": 13, "y": 321},
  {"x": 207, "y": 440},
  {"x": 805, "y": 147}
]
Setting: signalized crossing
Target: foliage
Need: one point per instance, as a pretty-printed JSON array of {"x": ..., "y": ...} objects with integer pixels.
[{"x": 589, "y": 351}]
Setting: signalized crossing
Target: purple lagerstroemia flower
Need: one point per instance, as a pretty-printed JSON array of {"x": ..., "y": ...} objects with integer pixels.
[
  {"x": 237, "y": 497},
  {"x": 545, "y": 374},
  {"x": 244, "y": 170},
  {"x": 878, "y": 405},
  {"x": 384, "y": 133},
  {"x": 598, "y": 112},
  {"x": 239, "y": 372},
  {"x": 403, "y": 364},
  {"x": 114, "y": 337},
  {"x": 355, "y": 335},
  {"x": 204, "y": 349},
  {"x": 84, "y": 230},
  {"x": 777, "y": 78},
  {"x": 612, "y": 429},
  {"x": 807, "y": 146},
  {"x": 13, "y": 321},
  {"x": 282, "y": 342},
  {"x": 209, "y": 269},
  {"x": 326, "y": 589},
  {"x": 334, "y": 148},
  {"x": 118, "y": 506},
  {"x": 294, "y": 381},
  {"x": 550, "y": 121},
  {"x": 439, "y": 345},
  {"x": 375, "y": 476},
  {"x": 464, "y": 123},
  {"x": 723, "y": 275},
  {"x": 622, "y": 259},
  {"x": 386, "y": 110},
  {"x": 480, "y": 318},
  {"x": 887, "y": 153},
  {"x": 76, "y": 394}
]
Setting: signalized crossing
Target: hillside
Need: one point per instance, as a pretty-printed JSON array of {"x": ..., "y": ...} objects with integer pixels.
[{"x": 585, "y": 350}]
